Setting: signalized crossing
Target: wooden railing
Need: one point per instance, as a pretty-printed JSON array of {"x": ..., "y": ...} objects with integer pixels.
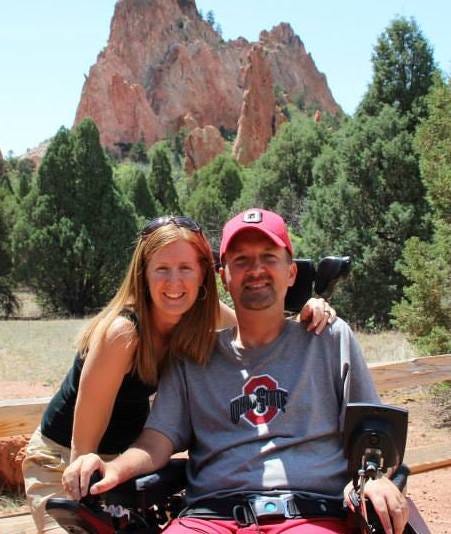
[{"x": 21, "y": 416}]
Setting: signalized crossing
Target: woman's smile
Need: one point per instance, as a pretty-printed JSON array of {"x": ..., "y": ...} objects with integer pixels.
[{"x": 174, "y": 276}]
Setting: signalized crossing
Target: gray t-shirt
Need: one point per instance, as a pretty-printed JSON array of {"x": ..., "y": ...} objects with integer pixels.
[{"x": 267, "y": 418}]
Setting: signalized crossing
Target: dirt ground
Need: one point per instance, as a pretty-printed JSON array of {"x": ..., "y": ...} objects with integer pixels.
[{"x": 430, "y": 491}]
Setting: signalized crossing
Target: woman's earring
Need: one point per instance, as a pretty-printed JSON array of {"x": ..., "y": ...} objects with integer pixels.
[{"x": 204, "y": 294}]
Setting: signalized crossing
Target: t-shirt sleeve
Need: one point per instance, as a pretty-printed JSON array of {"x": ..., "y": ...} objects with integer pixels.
[
  {"x": 361, "y": 384},
  {"x": 169, "y": 413}
]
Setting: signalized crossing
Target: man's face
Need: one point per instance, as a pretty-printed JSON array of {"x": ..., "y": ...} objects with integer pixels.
[{"x": 257, "y": 272}]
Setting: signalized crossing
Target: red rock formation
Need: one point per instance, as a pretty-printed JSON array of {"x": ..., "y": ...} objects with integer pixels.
[
  {"x": 294, "y": 70},
  {"x": 189, "y": 122},
  {"x": 201, "y": 146},
  {"x": 36, "y": 154},
  {"x": 12, "y": 453},
  {"x": 163, "y": 61},
  {"x": 256, "y": 122}
]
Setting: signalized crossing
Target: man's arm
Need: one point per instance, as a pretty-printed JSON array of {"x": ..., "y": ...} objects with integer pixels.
[
  {"x": 388, "y": 502},
  {"x": 150, "y": 452}
]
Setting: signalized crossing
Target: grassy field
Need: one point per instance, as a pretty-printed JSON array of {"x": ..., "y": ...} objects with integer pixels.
[
  {"x": 388, "y": 346},
  {"x": 41, "y": 351},
  {"x": 37, "y": 351}
]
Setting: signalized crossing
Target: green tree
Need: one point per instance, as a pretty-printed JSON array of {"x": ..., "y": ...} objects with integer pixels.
[
  {"x": 133, "y": 184},
  {"x": 376, "y": 200},
  {"x": 280, "y": 178},
  {"x": 71, "y": 240},
  {"x": 210, "y": 18},
  {"x": 211, "y": 193},
  {"x": 425, "y": 311},
  {"x": 374, "y": 203},
  {"x": 8, "y": 302},
  {"x": 161, "y": 183},
  {"x": 403, "y": 68},
  {"x": 138, "y": 153}
]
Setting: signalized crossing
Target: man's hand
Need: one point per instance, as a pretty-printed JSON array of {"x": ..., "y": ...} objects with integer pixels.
[
  {"x": 388, "y": 502},
  {"x": 77, "y": 475},
  {"x": 316, "y": 314}
]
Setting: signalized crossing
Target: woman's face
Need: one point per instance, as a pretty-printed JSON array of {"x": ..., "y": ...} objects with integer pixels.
[{"x": 173, "y": 276}]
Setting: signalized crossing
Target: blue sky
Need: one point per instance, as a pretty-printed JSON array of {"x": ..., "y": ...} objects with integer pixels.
[{"x": 46, "y": 47}]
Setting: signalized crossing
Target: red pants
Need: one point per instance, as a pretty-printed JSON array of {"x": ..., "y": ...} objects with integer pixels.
[{"x": 192, "y": 525}]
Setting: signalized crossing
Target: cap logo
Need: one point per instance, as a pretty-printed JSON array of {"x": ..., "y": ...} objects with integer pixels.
[{"x": 252, "y": 216}]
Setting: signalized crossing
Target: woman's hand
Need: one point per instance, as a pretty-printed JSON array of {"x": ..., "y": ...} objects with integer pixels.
[
  {"x": 77, "y": 475},
  {"x": 316, "y": 314}
]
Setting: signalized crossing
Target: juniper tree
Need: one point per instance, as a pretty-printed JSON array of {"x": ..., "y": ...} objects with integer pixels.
[{"x": 72, "y": 238}]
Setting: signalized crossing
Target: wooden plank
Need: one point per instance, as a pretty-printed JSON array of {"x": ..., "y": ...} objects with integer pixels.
[
  {"x": 21, "y": 416},
  {"x": 17, "y": 524},
  {"x": 419, "y": 371},
  {"x": 428, "y": 457}
]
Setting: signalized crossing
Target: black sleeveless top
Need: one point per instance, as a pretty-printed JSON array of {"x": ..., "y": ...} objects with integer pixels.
[{"x": 129, "y": 414}]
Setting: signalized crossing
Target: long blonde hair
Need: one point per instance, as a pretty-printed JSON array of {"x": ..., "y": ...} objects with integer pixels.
[{"x": 193, "y": 337}]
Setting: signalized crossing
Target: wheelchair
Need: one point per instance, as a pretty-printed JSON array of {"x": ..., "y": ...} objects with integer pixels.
[{"x": 374, "y": 441}]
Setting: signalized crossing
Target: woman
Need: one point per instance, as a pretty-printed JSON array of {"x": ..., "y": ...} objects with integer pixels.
[{"x": 166, "y": 307}]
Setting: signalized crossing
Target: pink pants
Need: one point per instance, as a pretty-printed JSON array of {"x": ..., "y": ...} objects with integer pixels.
[{"x": 192, "y": 525}]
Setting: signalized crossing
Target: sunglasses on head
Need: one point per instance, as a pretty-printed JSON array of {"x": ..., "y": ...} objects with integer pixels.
[{"x": 178, "y": 220}]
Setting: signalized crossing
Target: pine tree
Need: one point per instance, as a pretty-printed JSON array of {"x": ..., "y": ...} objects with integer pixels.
[
  {"x": 8, "y": 302},
  {"x": 71, "y": 241},
  {"x": 425, "y": 311},
  {"x": 280, "y": 178},
  {"x": 133, "y": 184},
  {"x": 214, "y": 189},
  {"x": 374, "y": 204},
  {"x": 403, "y": 68},
  {"x": 161, "y": 183},
  {"x": 368, "y": 197}
]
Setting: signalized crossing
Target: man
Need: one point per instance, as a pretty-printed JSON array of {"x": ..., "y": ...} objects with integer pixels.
[{"x": 263, "y": 417}]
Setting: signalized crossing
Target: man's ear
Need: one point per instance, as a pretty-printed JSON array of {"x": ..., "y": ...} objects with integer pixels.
[
  {"x": 223, "y": 278},
  {"x": 293, "y": 274}
]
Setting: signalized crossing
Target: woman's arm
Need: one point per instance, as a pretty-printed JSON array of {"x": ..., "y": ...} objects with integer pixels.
[
  {"x": 107, "y": 361},
  {"x": 227, "y": 317}
]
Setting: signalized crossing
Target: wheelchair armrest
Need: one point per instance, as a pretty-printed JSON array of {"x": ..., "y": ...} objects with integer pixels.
[
  {"x": 166, "y": 481},
  {"x": 376, "y": 433}
]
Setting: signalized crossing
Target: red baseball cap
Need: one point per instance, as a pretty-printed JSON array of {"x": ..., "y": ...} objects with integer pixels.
[{"x": 267, "y": 222}]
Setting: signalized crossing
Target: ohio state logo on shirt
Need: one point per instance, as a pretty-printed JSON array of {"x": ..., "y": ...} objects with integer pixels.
[{"x": 260, "y": 402}]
